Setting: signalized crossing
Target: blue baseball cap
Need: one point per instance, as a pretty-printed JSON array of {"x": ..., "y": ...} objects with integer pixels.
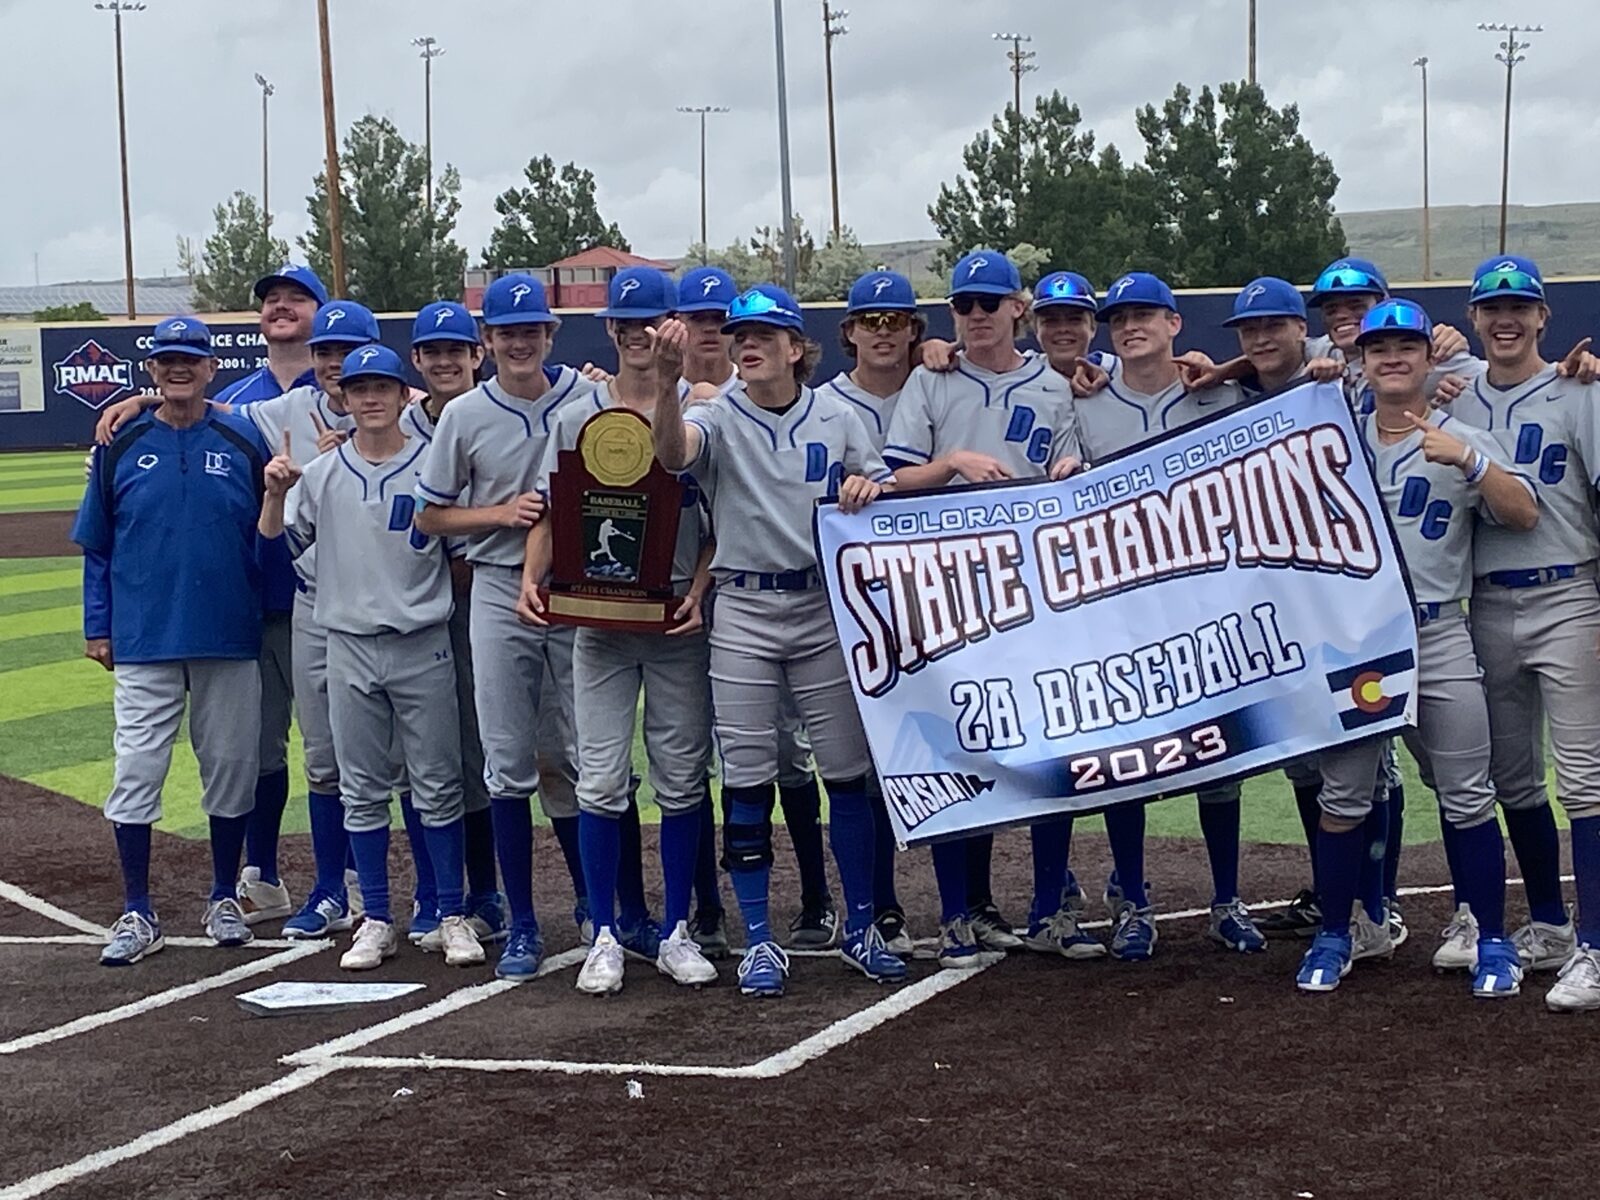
[
  {"x": 1395, "y": 316},
  {"x": 444, "y": 321},
  {"x": 1508, "y": 275},
  {"x": 1064, "y": 289},
  {"x": 882, "y": 291},
  {"x": 517, "y": 300},
  {"x": 706, "y": 289},
  {"x": 343, "y": 321},
  {"x": 181, "y": 335},
  {"x": 1141, "y": 288},
  {"x": 1348, "y": 277},
  {"x": 987, "y": 272},
  {"x": 764, "y": 304},
  {"x": 303, "y": 278},
  {"x": 1267, "y": 297},
  {"x": 371, "y": 362},
  {"x": 639, "y": 294}
]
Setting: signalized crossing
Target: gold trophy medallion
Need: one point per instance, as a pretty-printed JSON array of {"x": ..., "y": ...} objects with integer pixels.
[{"x": 617, "y": 448}]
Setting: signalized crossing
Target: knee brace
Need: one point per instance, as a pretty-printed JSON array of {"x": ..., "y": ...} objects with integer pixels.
[{"x": 747, "y": 831}]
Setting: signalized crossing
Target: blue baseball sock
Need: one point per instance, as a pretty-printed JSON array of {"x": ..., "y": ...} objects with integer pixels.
[
  {"x": 850, "y": 832},
  {"x": 750, "y": 808},
  {"x": 632, "y": 907},
  {"x": 1306, "y": 804},
  {"x": 1125, "y": 832},
  {"x": 371, "y": 850},
  {"x": 1396, "y": 838},
  {"x": 802, "y": 816},
  {"x": 1376, "y": 831},
  {"x": 427, "y": 891},
  {"x": 478, "y": 836},
  {"x": 1052, "y": 840},
  {"x": 227, "y": 848},
  {"x": 1340, "y": 857},
  {"x": 1538, "y": 850},
  {"x": 680, "y": 842},
  {"x": 601, "y": 838},
  {"x": 447, "y": 849},
  {"x": 1586, "y": 867},
  {"x": 572, "y": 852},
  {"x": 950, "y": 873},
  {"x": 980, "y": 870},
  {"x": 1219, "y": 823},
  {"x": 1481, "y": 858},
  {"x": 707, "y": 883},
  {"x": 330, "y": 844},
  {"x": 266, "y": 819},
  {"x": 884, "y": 896},
  {"x": 133, "y": 855},
  {"x": 513, "y": 844}
]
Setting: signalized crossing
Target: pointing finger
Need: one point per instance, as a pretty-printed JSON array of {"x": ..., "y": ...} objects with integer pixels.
[
  {"x": 316, "y": 420},
  {"x": 286, "y": 443}
]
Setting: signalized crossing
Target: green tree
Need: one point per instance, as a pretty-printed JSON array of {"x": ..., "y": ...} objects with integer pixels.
[
  {"x": 398, "y": 254},
  {"x": 552, "y": 218},
  {"x": 81, "y": 311},
  {"x": 838, "y": 264},
  {"x": 767, "y": 248},
  {"x": 238, "y": 253},
  {"x": 735, "y": 259},
  {"x": 1239, "y": 192}
]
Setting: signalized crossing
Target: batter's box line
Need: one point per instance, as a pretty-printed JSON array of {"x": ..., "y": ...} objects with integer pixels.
[
  {"x": 52, "y": 912},
  {"x": 181, "y": 941}
]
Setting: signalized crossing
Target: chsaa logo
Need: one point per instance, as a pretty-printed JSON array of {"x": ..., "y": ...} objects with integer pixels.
[{"x": 93, "y": 375}]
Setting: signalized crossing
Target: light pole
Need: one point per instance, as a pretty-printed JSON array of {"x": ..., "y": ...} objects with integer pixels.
[
  {"x": 833, "y": 26},
  {"x": 331, "y": 146},
  {"x": 1427, "y": 232},
  {"x": 1252, "y": 39},
  {"x": 266, "y": 212},
  {"x": 116, "y": 8},
  {"x": 1510, "y": 54},
  {"x": 783, "y": 150},
  {"x": 701, "y": 111},
  {"x": 430, "y": 50},
  {"x": 1021, "y": 64}
]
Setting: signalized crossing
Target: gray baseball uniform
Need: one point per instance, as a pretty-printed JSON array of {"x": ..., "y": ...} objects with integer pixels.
[
  {"x": 1359, "y": 394},
  {"x": 1119, "y": 415},
  {"x": 385, "y": 602},
  {"x": 1535, "y": 610},
  {"x": 875, "y": 411}
]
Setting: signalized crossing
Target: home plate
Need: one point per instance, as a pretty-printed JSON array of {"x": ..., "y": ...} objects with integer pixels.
[{"x": 289, "y": 997}]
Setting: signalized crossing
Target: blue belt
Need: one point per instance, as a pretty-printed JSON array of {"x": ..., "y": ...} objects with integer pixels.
[
  {"x": 776, "y": 581},
  {"x": 1433, "y": 610},
  {"x": 1532, "y": 578}
]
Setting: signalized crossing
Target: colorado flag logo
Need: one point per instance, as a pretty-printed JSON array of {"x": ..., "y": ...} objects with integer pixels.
[{"x": 1374, "y": 691}]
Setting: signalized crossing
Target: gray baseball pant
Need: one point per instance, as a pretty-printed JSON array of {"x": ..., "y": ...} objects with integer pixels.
[
  {"x": 1451, "y": 739},
  {"x": 310, "y": 663}
]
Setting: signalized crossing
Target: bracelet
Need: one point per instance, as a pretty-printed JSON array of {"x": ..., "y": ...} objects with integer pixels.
[{"x": 1480, "y": 468}]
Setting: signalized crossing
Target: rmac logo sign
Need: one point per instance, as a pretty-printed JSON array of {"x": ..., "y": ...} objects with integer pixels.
[{"x": 93, "y": 375}]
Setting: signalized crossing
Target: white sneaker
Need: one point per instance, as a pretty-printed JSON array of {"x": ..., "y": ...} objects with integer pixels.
[
  {"x": 1458, "y": 951},
  {"x": 681, "y": 960},
  {"x": 460, "y": 944},
  {"x": 1545, "y": 947},
  {"x": 352, "y": 891},
  {"x": 1369, "y": 939},
  {"x": 260, "y": 900},
  {"x": 1578, "y": 987},
  {"x": 375, "y": 941},
  {"x": 602, "y": 970}
]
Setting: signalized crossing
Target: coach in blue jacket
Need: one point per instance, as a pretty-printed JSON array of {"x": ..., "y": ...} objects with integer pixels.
[{"x": 172, "y": 606}]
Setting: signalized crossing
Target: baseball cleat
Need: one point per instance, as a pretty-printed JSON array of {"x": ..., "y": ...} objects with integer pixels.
[
  {"x": 225, "y": 923},
  {"x": 992, "y": 930},
  {"x": 1302, "y": 917},
  {"x": 867, "y": 953},
  {"x": 682, "y": 960},
  {"x": 763, "y": 969},
  {"x": 710, "y": 932},
  {"x": 1545, "y": 947},
  {"x": 1368, "y": 939},
  {"x": 1232, "y": 926},
  {"x": 260, "y": 900},
  {"x": 375, "y": 941},
  {"x": 1398, "y": 933},
  {"x": 1577, "y": 989},
  {"x": 1325, "y": 963},
  {"x": 1059, "y": 934},
  {"x": 522, "y": 955},
  {"x": 958, "y": 946},
  {"x": 1133, "y": 935},
  {"x": 1458, "y": 948},
  {"x": 643, "y": 941},
  {"x": 133, "y": 937},
  {"x": 814, "y": 928},
  {"x": 321, "y": 916},
  {"x": 460, "y": 945},
  {"x": 422, "y": 924},
  {"x": 1498, "y": 973},
  {"x": 891, "y": 925},
  {"x": 601, "y": 974},
  {"x": 489, "y": 917}
]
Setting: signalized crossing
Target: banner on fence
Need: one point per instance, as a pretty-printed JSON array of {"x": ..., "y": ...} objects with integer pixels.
[{"x": 1208, "y": 606}]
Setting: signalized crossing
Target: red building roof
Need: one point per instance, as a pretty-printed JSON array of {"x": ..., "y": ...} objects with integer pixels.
[{"x": 607, "y": 256}]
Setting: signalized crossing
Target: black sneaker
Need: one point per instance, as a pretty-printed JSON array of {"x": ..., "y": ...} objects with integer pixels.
[
  {"x": 709, "y": 931},
  {"x": 891, "y": 924},
  {"x": 992, "y": 930},
  {"x": 816, "y": 928},
  {"x": 1302, "y": 917}
]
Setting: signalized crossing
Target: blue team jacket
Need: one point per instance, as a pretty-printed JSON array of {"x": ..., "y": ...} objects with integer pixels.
[{"x": 168, "y": 528}]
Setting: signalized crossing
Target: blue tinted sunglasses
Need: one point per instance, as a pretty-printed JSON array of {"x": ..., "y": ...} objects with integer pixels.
[
  {"x": 755, "y": 304},
  {"x": 1396, "y": 316},
  {"x": 1515, "y": 282},
  {"x": 1347, "y": 279}
]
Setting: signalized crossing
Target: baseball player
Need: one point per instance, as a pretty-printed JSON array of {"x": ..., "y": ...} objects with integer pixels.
[
  {"x": 384, "y": 602},
  {"x": 172, "y": 606},
  {"x": 477, "y": 484},
  {"x": 1536, "y": 626},
  {"x": 1435, "y": 474},
  {"x": 763, "y": 454},
  {"x": 999, "y": 414},
  {"x": 610, "y": 667}
]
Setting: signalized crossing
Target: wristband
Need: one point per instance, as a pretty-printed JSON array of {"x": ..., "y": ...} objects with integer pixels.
[{"x": 1479, "y": 469}]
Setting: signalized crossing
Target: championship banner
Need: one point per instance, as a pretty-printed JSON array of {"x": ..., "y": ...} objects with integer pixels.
[{"x": 1211, "y": 605}]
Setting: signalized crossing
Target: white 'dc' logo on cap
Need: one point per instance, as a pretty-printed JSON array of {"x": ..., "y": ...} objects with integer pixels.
[
  {"x": 975, "y": 265},
  {"x": 369, "y": 354},
  {"x": 879, "y": 285},
  {"x": 1508, "y": 265},
  {"x": 518, "y": 293},
  {"x": 333, "y": 318},
  {"x": 440, "y": 317},
  {"x": 628, "y": 285}
]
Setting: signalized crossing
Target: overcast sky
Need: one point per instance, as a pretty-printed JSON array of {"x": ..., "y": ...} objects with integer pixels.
[{"x": 597, "y": 81}]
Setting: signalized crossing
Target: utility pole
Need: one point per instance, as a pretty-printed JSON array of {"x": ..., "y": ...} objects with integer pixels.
[
  {"x": 833, "y": 26},
  {"x": 116, "y": 8},
  {"x": 1427, "y": 224},
  {"x": 783, "y": 150},
  {"x": 266, "y": 212},
  {"x": 1021, "y": 64},
  {"x": 701, "y": 111},
  {"x": 1252, "y": 72},
  {"x": 1510, "y": 54},
  {"x": 430, "y": 50},
  {"x": 331, "y": 142}
]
